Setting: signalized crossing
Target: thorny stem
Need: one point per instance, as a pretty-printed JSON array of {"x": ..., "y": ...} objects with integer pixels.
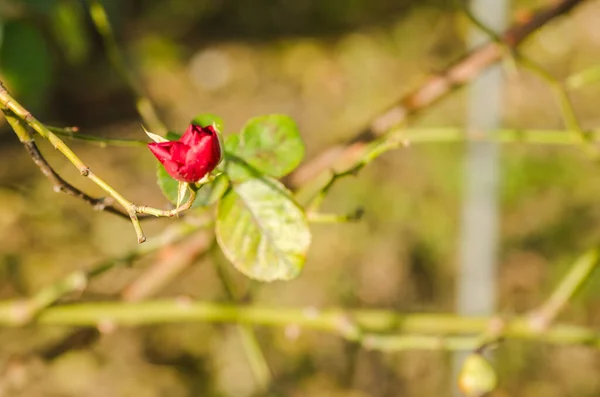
[{"x": 9, "y": 104}]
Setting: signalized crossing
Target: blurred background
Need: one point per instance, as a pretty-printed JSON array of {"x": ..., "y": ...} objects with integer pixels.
[{"x": 332, "y": 65}]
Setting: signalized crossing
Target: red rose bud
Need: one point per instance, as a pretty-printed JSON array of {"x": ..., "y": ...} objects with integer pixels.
[{"x": 193, "y": 156}]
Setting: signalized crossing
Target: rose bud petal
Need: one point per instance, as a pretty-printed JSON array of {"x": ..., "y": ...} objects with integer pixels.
[{"x": 193, "y": 156}]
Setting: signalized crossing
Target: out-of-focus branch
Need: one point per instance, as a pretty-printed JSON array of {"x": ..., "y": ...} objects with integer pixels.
[
  {"x": 558, "y": 87},
  {"x": 172, "y": 261},
  {"x": 256, "y": 357},
  {"x": 348, "y": 154},
  {"x": 541, "y": 319},
  {"x": 357, "y": 325},
  {"x": 25, "y": 310},
  {"x": 579, "y": 273},
  {"x": 406, "y": 137},
  {"x": 150, "y": 282},
  {"x": 143, "y": 104}
]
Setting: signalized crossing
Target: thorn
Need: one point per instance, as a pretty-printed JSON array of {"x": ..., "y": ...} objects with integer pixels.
[
  {"x": 356, "y": 215},
  {"x": 106, "y": 326}
]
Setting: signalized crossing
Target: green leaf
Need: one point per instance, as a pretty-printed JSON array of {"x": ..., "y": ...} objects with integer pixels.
[
  {"x": 208, "y": 194},
  {"x": 268, "y": 145},
  {"x": 206, "y": 119},
  {"x": 262, "y": 230}
]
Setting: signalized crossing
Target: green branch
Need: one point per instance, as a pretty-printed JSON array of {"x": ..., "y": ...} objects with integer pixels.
[
  {"x": 565, "y": 104},
  {"x": 359, "y": 325},
  {"x": 579, "y": 273},
  {"x": 315, "y": 192},
  {"x": 72, "y": 133}
]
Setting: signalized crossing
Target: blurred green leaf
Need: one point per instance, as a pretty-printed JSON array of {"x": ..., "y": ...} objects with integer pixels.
[
  {"x": 206, "y": 119},
  {"x": 268, "y": 144},
  {"x": 262, "y": 230},
  {"x": 208, "y": 194},
  {"x": 26, "y": 63},
  {"x": 68, "y": 22}
]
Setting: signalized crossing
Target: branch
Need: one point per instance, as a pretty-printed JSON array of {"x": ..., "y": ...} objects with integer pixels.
[
  {"x": 60, "y": 185},
  {"x": 84, "y": 337},
  {"x": 355, "y": 325},
  {"x": 10, "y": 107},
  {"x": 315, "y": 193},
  {"x": 25, "y": 310},
  {"x": 72, "y": 133},
  {"x": 436, "y": 88},
  {"x": 580, "y": 272},
  {"x": 558, "y": 87},
  {"x": 172, "y": 262},
  {"x": 143, "y": 104},
  {"x": 256, "y": 357}
]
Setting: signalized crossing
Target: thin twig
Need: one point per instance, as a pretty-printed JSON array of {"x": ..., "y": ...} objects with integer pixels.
[
  {"x": 579, "y": 273},
  {"x": 60, "y": 185},
  {"x": 72, "y": 133},
  {"x": 437, "y": 87},
  {"x": 585, "y": 77},
  {"x": 320, "y": 217},
  {"x": 256, "y": 357},
  {"x": 143, "y": 104}
]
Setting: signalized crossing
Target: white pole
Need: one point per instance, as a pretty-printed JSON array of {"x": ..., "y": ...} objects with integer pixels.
[{"x": 476, "y": 289}]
